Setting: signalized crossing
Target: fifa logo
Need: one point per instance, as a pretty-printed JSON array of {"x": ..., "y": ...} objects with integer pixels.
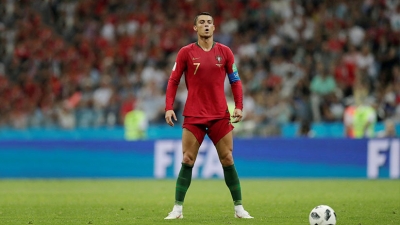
[{"x": 383, "y": 153}]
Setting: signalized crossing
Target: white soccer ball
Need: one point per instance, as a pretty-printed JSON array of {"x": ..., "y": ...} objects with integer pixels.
[{"x": 322, "y": 215}]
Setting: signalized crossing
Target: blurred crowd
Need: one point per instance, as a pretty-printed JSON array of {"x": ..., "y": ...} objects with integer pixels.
[{"x": 70, "y": 63}]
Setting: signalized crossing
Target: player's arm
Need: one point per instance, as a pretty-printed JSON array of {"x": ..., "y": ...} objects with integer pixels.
[
  {"x": 172, "y": 87},
  {"x": 236, "y": 86}
]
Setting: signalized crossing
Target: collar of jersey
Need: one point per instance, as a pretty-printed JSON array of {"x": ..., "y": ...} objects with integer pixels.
[{"x": 197, "y": 43}]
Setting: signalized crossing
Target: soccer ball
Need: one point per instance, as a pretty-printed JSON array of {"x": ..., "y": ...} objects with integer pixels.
[{"x": 322, "y": 215}]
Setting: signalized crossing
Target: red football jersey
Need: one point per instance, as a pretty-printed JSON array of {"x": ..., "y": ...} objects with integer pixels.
[{"x": 205, "y": 73}]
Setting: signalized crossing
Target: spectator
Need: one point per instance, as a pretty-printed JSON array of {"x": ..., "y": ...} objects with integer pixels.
[
  {"x": 389, "y": 130},
  {"x": 332, "y": 109},
  {"x": 103, "y": 94},
  {"x": 65, "y": 116},
  {"x": 135, "y": 123},
  {"x": 348, "y": 118},
  {"x": 322, "y": 84},
  {"x": 305, "y": 130},
  {"x": 366, "y": 62},
  {"x": 365, "y": 117},
  {"x": 364, "y": 121}
]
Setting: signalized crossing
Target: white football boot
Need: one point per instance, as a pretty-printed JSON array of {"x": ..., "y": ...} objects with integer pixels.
[
  {"x": 176, "y": 213},
  {"x": 241, "y": 213}
]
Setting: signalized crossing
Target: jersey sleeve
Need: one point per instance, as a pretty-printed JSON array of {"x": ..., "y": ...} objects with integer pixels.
[
  {"x": 234, "y": 80},
  {"x": 174, "y": 79}
]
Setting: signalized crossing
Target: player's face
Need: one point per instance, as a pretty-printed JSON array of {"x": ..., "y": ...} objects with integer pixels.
[{"x": 204, "y": 26}]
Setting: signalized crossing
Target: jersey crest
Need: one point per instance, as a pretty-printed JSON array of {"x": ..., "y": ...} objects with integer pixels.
[{"x": 219, "y": 60}]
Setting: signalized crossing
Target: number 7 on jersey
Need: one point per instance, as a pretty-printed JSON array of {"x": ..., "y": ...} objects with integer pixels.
[{"x": 197, "y": 66}]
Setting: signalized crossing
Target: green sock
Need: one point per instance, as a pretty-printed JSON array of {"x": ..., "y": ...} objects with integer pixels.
[
  {"x": 233, "y": 183},
  {"x": 183, "y": 183}
]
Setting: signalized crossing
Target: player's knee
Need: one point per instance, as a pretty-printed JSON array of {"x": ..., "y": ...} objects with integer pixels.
[
  {"x": 226, "y": 160},
  {"x": 188, "y": 159}
]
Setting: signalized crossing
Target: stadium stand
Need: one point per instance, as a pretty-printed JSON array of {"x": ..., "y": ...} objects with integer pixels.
[{"x": 83, "y": 64}]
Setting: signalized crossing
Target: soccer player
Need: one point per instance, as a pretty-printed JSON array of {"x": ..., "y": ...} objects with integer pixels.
[{"x": 205, "y": 65}]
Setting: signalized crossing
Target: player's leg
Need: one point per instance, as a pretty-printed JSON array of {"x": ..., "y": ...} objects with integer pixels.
[
  {"x": 224, "y": 146},
  {"x": 190, "y": 147}
]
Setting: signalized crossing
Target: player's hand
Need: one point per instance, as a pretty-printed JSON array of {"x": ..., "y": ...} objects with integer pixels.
[
  {"x": 168, "y": 117},
  {"x": 237, "y": 115}
]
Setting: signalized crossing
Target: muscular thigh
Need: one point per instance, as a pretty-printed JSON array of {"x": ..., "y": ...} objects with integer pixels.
[
  {"x": 224, "y": 148},
  {"x": 190, "y": 146}
]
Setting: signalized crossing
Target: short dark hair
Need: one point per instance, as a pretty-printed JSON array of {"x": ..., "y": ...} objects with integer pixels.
[{"x": 201, "y": 14}]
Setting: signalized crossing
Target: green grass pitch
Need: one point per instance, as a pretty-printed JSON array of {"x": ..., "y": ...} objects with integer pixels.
[{"x": 135, "y": 201}]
